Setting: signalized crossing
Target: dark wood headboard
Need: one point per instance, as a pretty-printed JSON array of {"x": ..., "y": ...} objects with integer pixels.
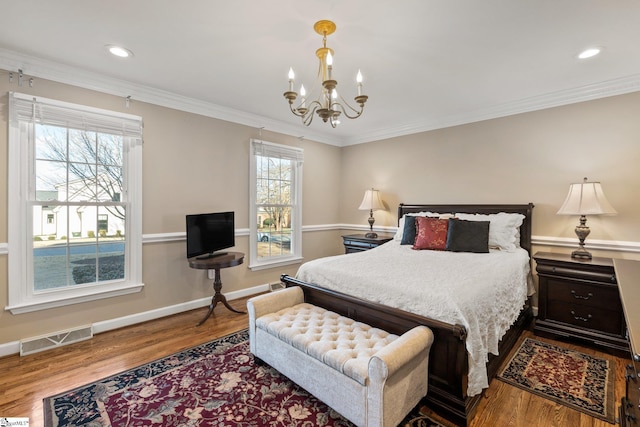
[{"x": 526, "y": 210}]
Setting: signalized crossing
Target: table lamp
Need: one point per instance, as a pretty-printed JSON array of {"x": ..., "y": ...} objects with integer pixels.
[
  {"x": 585, "y": 198},
  {"x": 371, "y": 202}
]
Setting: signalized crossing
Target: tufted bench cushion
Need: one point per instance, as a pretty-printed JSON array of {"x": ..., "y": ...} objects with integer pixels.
[
  {"x": 337, "y": 341},
  {"x": 369, "y": 376}
]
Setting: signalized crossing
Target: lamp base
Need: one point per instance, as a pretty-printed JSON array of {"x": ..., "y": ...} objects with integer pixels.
[
  {"x": 582, "y": 231},
  {"x": 371, "y": 235},
  {"x": 581, "y": 253}
]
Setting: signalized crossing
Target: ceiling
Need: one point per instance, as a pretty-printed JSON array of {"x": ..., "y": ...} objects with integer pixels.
[{"x": 427, "y": 64}]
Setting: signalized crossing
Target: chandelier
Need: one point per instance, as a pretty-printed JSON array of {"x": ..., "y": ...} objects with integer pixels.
[{"x": 327, "y": 104}]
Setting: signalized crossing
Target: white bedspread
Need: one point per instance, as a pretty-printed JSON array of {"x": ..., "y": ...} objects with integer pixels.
[{"x": 482, "y": 292}]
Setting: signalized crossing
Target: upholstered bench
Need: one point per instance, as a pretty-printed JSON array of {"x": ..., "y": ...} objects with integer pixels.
[{"x": 369, "y": 376}]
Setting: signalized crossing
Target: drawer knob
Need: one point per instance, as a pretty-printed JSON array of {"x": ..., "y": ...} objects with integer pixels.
[
  {"x": 584, "y": 319},
  {"x": 576, "y": 296}
]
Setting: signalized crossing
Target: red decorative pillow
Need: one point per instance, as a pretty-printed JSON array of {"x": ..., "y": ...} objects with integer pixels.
[{"x": 431, "y": 233}]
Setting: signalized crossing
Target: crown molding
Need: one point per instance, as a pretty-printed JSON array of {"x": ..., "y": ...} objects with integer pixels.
[
  {"x": 50, "y": 70},
  {"x": 590, "y": 92}
]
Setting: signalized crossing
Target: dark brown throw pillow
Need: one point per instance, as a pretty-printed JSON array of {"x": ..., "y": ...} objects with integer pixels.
[{"x": 468, "y": 236}]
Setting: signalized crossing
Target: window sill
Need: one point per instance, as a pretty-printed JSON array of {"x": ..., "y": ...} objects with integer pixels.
[
  {"x": 46, "y": 303},
  {"x": 274, "y": 264}
]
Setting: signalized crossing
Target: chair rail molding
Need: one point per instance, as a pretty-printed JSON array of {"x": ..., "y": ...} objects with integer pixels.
[{"x": 564, "y": 242}]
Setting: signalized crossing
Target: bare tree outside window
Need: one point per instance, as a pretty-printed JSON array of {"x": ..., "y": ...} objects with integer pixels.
[{"x": 93, "y": 162}]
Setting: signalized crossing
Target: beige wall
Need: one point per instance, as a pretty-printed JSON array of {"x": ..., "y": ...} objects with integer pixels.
[
  {"x": 530, "y": 157},
  {"x": 191, "y": 164}
]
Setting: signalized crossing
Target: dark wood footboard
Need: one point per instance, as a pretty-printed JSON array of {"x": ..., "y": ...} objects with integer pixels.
[{"x": 448, "y": 365}]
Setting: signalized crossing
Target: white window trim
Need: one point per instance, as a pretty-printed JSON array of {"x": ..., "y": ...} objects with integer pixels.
[
  {"x": 296, "y": 236},
  {"x": 21, "y": 298}
]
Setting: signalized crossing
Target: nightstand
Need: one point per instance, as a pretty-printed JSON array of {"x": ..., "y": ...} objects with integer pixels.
[
  {"x": 580, "y": 299},
  {"x": 358, "y": 242}
]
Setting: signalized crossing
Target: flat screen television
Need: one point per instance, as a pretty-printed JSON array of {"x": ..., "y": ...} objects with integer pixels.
[{"x": 208, "y": 233}]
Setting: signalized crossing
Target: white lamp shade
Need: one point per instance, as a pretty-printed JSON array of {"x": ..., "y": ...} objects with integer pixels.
[
  {"x": 371, "y": 201},
  {"x": 586, "y": 198}
]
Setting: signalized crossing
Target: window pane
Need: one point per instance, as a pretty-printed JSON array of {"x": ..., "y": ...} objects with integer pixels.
[
  {"x": 109, "y": 183},
  {"x": 50, "y": 268},
  {"x": 82, "y": 146},
  {"x": 109, "y": 150},
  {"x": 111, "y": 243},
  {"x": 50, "y": 177},
  {"x": 83, "y": 256},
  {"x": 51, "y": 143},
  {"x": 82, "y": 183}
]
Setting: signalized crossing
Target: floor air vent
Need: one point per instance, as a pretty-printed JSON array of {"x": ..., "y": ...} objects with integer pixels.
[
  {"x": 56, "y": 339},
  {"x": 276, "y": 286}
]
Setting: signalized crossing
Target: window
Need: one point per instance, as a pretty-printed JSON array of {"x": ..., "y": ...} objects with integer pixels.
[
  {"x": 74, "y": 203},
  {"x": 275, "y": 210}
]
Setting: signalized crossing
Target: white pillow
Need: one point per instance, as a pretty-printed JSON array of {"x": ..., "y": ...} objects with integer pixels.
[
  {"x": 400, "y": 230},
  {"x": 504, "y": 229}
]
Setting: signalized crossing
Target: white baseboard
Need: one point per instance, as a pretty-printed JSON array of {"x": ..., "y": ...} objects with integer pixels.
[
  {"x": 108, "y": 325},
  {"x": 7, "y": 349}
]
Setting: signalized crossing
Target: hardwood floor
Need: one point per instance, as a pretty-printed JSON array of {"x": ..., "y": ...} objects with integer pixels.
[{"x": 25, "y": 381}]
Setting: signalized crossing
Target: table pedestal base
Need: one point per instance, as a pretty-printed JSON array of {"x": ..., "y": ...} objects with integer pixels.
[{"x": 218, "y": 297}]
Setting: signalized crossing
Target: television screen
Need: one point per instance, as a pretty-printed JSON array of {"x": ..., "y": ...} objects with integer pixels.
[{"x": 210, "y": 232}]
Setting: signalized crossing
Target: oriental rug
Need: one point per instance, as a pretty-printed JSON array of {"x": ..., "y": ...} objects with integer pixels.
[
  {"x": 213, "y": 384},
  {"x": 574, "y": 379}
]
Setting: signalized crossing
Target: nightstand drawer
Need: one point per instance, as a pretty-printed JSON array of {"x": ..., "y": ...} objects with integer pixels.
[
  {"x": 585, "y": 273},
  {"x": 358, "y": 244},
  {"x": 586, "y": 317},
  {"x": 584, "y": 294}
]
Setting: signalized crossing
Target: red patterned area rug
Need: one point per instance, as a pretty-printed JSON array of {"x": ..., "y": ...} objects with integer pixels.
[
  {"x": 213, "y": 384},
  {"x": 582, "y": 382}
]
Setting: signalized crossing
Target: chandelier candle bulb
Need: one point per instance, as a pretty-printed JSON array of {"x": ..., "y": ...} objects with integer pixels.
[
  {"x": 291, "y": 77},
  {"x": 329, "y": 64},
  {"x": 303, "y": 93},
  {"x": 359, "y": 80}
]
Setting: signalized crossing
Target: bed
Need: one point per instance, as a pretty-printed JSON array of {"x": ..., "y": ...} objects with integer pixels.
[{"x": 454, "y": 389}]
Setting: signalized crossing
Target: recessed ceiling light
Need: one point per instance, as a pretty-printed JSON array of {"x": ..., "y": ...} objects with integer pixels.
[
  {"x": 119, "y": 51},
  {"x": 590, "y": 52}
]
